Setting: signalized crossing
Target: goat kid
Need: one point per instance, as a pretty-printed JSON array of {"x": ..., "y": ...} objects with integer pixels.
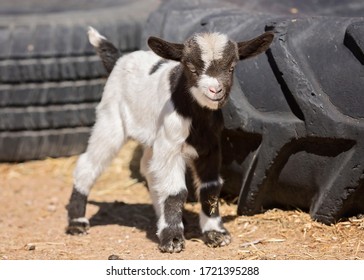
[{"x": 168, "y": 99}]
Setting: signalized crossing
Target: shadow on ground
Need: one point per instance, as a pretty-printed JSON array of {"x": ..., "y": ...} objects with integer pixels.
[{"x": 142, "y": 217}]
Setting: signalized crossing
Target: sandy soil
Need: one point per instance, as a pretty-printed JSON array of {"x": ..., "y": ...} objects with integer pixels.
[{"x": 33, "y": 197}]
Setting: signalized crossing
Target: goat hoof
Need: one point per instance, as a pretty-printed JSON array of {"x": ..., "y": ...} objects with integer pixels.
[
  {"x": 78, "y": 226},
  {"x": 217, "y": 239},
  {"x": 175, "y": 245}
]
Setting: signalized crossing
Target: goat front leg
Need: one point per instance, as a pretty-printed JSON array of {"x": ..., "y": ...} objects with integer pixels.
[
  {"x": 166, "y": 180},
  {"x": 208, "y": 182},
  {"x": 170, "y": 225}
]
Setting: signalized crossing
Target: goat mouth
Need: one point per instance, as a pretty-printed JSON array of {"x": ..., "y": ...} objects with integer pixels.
[{"x": 216, "y": 99}]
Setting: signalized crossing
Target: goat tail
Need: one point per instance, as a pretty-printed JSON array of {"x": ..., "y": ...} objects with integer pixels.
[{"x": 106, "y": 50}]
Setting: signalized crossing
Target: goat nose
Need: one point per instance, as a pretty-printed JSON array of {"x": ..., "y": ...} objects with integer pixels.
[{"x": 215, "y": 90}]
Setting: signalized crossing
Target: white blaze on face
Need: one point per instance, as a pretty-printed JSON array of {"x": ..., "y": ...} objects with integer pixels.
[{"x": 212, "y": 46}]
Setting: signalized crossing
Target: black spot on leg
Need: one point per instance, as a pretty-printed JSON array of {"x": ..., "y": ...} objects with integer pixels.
[
  {"x": 77, "y": 223},
  {"x": 171, "y": 237},
  {"x": 77, "y": 205},
  {"x": 209, "y": 198},
  {"x": 173, "y": 207}
]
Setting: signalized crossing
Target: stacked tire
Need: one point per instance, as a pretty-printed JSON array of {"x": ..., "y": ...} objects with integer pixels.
[
  {"x": 294, "y": 126},
  {"x": 50, "y": 77}
]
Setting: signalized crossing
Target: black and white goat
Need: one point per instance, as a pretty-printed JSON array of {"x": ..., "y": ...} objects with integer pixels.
[{"x": 168, "y": 99}]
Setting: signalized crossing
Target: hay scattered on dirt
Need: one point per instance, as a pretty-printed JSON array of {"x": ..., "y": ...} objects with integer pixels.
[{"x": 294, "y": 235}]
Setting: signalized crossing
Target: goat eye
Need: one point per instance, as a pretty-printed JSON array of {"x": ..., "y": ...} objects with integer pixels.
[{"x": 192, "y": 69}]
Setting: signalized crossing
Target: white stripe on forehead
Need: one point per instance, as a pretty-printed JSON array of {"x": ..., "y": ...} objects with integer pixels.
[{"x": 212, "y": 46}]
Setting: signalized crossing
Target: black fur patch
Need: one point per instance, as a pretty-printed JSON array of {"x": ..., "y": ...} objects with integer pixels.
[
  {"x": 171, "y": 238},
  {"x": 209, "y": 198},
  {"x": 157, "y": 66},
  {"x": 181, "y": 98},
  {"x": 173, "y": 207},
  {"x": 77, "y": 205},
  {"x": 109, "y": 54}
]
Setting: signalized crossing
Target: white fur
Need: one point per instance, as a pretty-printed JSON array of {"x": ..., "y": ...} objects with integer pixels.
[
  {"x": 212, "y": 46},
  {"x": 81, "y": 220},
  {"x": 202, "y": 94},
  {"x": 207, "y": 223},
  {"x": 189, "y": 152},
  {"x": 145, "y": 161},
  {"x": 95, "y": 37}
]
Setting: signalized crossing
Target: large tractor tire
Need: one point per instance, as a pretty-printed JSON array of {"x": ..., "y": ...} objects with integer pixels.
[
  {"x": 294, "y": 126},
  {"x": 50, "y": 77}
]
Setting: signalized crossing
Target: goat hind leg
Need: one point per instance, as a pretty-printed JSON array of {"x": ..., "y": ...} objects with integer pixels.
[{"x": 105, "y": 141}]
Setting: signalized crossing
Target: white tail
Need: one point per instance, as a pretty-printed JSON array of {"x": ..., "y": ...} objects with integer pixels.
[{"x": 94, "y": 37}]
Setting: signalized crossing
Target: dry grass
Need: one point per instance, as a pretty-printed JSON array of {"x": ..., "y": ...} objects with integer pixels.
[
  {"x": 33, "y": 217},
  {"x": 299, "y": 237}
]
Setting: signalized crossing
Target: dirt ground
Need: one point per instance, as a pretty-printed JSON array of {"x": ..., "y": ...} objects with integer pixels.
[{"x": 33, "y": 197}]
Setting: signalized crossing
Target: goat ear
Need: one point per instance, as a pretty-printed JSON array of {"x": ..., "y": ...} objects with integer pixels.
[
  {"x": 166, "y": 49},
  {"x": 255, "y": 46}
]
